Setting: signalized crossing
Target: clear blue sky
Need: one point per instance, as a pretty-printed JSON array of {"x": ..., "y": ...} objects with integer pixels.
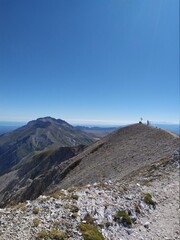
[{"x": 110, "y": 61}]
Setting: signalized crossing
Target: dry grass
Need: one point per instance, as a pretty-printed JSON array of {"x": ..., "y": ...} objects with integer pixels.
[
  {"x": 36, "y": 222},
  {"x": 90, "y": 232},
  {"x": 20, "y": 206}
]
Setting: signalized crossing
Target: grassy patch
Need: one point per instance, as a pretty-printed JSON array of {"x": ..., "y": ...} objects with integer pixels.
[
  {"x": 20, "y": 206},
  {"x": 53, "y": 234},
  {"x": 35, "y": 210},
  {"x": 148, "y": 199},
  {"x": 35, "y": 222},
  {"x": 124, "y": 217},
  {"x": 57, "y": 234},
  {"x": 90, "y": 232},
  {"x": 42, "y": 235}
]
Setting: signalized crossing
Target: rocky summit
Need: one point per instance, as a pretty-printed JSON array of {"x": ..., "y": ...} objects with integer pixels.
[{"x": 144, "y": 206}]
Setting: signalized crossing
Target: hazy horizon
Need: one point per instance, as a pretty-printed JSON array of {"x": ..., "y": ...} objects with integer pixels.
[{"x": 89, "y": 123}]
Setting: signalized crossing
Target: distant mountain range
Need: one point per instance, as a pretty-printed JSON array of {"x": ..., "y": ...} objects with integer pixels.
[
  {"x": 97, "y": 132},
  {"x": 51, "y": 165},
  {"x": 18, "y": 146}
]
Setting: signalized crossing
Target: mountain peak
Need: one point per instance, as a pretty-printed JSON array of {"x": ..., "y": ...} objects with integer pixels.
[
  {"x": 48, "y": 119},
  {"x": 37, "y": 135}
]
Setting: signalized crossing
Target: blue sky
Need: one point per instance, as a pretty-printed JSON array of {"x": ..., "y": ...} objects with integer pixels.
[{"x": 98, "y": 61}]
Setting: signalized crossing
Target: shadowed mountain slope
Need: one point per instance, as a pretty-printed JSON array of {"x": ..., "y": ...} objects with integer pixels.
[
  {"x": 37, "y": 135},
  {"x": 32, "y": 178}
]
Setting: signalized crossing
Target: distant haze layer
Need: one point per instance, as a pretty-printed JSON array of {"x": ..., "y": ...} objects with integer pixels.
[{"x": 6, "y": 126}]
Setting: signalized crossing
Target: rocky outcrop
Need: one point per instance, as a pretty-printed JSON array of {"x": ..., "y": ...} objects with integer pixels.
[{"x": 143, "y": 206}]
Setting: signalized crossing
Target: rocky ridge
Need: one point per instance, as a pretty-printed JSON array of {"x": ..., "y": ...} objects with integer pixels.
[
  {"x": 117, "y": 155},
  {"x": 62, "y": 214}
]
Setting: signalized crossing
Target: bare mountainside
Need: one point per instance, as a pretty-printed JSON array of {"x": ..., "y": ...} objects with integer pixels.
[
  {"x": 41, "y": 134},
  {"x": 114, "y": 157},
  {"x": 118, "y": 154}
]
